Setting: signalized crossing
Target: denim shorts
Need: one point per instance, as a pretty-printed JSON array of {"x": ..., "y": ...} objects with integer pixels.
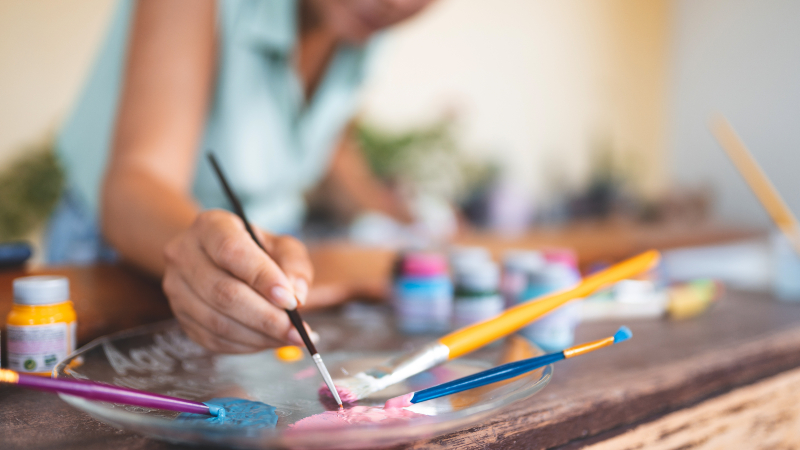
[{"x": 73, "y": 235}]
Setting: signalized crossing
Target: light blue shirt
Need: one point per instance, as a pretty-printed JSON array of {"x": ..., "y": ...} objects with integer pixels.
[{"x": 271, "y": 142}]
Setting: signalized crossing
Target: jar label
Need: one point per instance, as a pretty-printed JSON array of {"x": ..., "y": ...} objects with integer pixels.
[
  {"x": 38, "y": 348},
  {"x": 424, "y": 306},
  {"x": 73, "y": 337},
  {"x": 470, "y": 310}
]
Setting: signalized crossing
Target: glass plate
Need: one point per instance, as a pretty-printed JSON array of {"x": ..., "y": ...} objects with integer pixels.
[{"x": 160, "y": 358}]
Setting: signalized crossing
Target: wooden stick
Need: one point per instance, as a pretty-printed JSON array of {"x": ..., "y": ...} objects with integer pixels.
[{"x": 755, "y": 177}]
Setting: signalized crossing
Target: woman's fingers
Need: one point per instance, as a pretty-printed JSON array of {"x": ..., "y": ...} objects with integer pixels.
[
  {"x": 292, "y": 257},
  {"x": 229, "y": 296},
  {"x": 182, "y": 304},
  {"x": 227, "y": 292},
  {"x": 225, "y": 240},
  {"x": 188, "y": 306},
  {"x": 294, "y": 336}
]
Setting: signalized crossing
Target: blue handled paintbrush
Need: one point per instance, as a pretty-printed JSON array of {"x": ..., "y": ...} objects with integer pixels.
[{"x": 505, "y": 371}]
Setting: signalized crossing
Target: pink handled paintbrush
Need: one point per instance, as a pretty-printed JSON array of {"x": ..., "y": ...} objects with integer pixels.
[{"x": 108, "y": 393}]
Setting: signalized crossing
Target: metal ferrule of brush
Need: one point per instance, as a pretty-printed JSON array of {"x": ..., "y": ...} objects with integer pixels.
[
  {"x": 407, "y": 365},
  {"x": 326, "y": 376}
]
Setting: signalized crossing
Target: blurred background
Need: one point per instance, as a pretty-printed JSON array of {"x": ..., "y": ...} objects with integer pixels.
[
  {"x": 500, "y": 115},
  {"x": 534, "y": 142}
]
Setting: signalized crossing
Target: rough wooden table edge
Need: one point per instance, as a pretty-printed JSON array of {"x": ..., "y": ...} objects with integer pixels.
[{"x": 702, "y": 376}]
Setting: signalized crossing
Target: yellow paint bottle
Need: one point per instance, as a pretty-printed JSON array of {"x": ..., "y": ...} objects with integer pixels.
[{"x": 42, "y": 324}]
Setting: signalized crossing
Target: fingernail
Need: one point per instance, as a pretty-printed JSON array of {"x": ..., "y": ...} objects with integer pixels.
[
  {"x": 301, "y": 290},
  {"x": 294, "y": 337},
  {"x": 282, "y": 296},
  {"x": 314, "y": 336}
]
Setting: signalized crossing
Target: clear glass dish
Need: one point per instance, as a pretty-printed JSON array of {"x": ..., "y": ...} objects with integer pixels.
[{"x": 160, "y": 358}]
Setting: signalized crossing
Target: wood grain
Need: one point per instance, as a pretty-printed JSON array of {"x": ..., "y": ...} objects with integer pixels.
[
  {"x": 665, "y": 367},
  {"x": 762, "y": 416}
]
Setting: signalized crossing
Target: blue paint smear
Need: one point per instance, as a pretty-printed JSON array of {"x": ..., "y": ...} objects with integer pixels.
[{"x": 238, "y": 413}]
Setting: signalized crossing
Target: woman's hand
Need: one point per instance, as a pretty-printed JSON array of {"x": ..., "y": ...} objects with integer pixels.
[{"x": 227, "y": 293}]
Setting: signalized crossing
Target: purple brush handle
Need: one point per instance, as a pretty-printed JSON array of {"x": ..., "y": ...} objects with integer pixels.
[{"x": 115, "y": 394}]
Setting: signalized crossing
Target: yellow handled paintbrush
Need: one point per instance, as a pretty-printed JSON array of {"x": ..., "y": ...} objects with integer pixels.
[{"x": 476, "y": 336}]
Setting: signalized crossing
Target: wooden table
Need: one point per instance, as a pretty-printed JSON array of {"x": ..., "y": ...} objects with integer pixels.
[{"x": 675, "y": 385}]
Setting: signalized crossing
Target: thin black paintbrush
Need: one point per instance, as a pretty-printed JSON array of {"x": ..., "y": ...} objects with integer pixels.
[{"x": 294, "y": 316}]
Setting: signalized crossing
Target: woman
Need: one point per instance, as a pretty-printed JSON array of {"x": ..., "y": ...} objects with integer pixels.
[{"x": 269, "y": 85}]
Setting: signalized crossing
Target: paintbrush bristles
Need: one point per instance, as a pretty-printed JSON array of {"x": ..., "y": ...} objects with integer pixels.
[
  {"x": 354, "y": 388},
  {"x": 622, "y": 335},
  {"x": 8, "y": 376},
  {"x": 294, "y": 316}
]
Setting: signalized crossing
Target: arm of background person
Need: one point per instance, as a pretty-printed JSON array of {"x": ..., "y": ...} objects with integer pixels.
[
  {"x": 344, "y": 271},
  {"x": 351, "y": 175}
]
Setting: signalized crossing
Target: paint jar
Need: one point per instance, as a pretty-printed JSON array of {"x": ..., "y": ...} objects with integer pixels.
[
  {"x": 462, "y": 256},
  {"x": 423, "y": 294},
  {"x": 41, "y": 325},
  {"x": 477, "y": 295},
  {"x": 556, "y": 330},
  {"x": 518, "y": 267},
  {"x": 786, "y": 269}
]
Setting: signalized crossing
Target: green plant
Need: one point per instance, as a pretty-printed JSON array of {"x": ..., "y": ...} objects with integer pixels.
[
  {"x": 30, "y": 187},
  {"x": 428, "y": 158}
]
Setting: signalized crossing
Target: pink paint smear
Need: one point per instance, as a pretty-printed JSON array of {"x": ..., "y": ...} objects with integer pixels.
[
  {"x": 399, "y": 402},
  {"x": 348, "y": 397},
  {"x": 357, "y": 415},
  {"x": 308, "y": 372}
]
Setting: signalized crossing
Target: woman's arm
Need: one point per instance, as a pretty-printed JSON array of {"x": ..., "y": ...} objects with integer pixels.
[
  {"x": 350, "y": 173},
  {"x": 226, "y": 292},
  {"x": 168, "y": 79}
]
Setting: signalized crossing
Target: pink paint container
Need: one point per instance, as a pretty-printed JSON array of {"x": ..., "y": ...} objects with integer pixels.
[{"x": 423, "y": 294}]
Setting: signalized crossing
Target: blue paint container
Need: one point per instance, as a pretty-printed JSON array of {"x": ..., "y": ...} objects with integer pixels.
[
  {"x": 556, "y": 330},
  {"x": 423, "y": 294}
]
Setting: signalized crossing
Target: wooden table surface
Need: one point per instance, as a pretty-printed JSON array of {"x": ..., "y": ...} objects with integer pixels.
[{"x": 666, "y": 367}]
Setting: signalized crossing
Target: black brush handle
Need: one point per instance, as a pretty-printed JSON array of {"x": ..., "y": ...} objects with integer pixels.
[
  {"x": 237, "y": 206},
  {"x": 297, "y": 321},
  {"x": 294, "y": 316}
]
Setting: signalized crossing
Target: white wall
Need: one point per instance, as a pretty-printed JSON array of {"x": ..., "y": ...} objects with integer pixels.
[
  {"x": 537, "y": 81},
  {"x": 740, "y": 58},
  {"x": 46, "y": 47}
]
